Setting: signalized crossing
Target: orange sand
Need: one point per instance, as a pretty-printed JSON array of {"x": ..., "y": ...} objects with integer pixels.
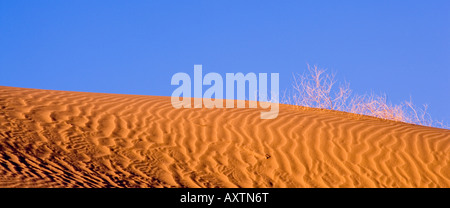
[{"x": 75, "y": 139}]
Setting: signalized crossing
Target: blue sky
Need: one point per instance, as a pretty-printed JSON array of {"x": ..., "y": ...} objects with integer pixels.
[{"x": 401, "y": 48}]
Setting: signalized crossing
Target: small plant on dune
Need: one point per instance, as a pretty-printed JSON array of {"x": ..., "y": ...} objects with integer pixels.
[
  {"x": 376, "y": 106},
  {"x": 316, "y": 88}
]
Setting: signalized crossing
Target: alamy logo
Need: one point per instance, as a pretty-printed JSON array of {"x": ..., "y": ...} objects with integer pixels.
[{"x": 257, "y": 90}]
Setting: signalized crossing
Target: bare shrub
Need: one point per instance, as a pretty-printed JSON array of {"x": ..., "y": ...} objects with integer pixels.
[
  {"x": 418, "y": 115},
  {"x": 377, "y": 106},
  {"x": 316, "y": 88}
]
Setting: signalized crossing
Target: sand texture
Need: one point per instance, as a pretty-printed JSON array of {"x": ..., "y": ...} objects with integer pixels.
[{"x": 76, "y": 139}]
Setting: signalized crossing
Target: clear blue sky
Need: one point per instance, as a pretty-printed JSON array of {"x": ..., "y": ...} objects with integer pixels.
[{"x": 401, "y": 48}]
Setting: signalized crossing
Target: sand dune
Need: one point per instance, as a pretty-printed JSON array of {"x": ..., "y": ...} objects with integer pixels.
[{"x": 74, "y": 139}]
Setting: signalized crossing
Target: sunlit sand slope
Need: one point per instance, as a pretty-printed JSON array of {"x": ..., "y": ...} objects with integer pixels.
[{"x": 75, "y": 139}]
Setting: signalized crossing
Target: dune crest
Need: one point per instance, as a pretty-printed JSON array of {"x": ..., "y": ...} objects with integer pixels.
[{"x": 76, "y": 139}]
